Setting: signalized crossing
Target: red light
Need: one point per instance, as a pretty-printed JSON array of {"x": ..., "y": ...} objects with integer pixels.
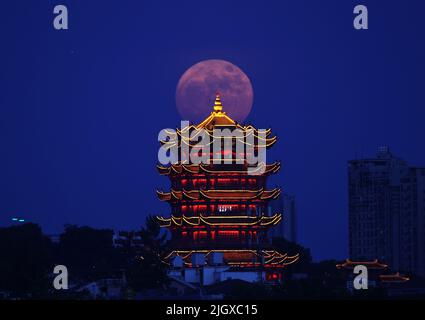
[
  {"x": 229, "y": 233},
  {"x": 273, "y": 276},
  {"x": 199, "y": 182}
]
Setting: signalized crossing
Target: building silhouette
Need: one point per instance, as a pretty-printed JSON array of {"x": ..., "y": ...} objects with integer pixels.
[
  {"x": 286, "y": 205},
  {"x": 219, "y": 218},
  {"x": 387, "y": 212}
]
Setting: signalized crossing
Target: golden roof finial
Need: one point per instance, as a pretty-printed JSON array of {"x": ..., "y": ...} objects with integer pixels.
[{"x": 218, "y": 107}]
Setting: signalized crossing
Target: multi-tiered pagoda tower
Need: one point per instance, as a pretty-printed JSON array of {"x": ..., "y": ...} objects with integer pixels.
[{"x": 221, "y": 209}]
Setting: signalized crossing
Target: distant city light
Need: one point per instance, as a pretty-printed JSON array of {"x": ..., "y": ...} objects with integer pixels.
[{"x": 18, "y": 219}]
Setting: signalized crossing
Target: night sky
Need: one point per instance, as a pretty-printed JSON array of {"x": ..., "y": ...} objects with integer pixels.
[{"x": 80, "y": 109}]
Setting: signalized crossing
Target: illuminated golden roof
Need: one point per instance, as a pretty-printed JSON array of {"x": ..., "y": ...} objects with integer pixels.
[
  {"x": 260, "y": 194},
  {"x": 212, "y": 169},
  {"x": 192, "y": 142},
  {"x": 241, "y": 258},
  {"x": 220, "y": 220},
  {"x": 246, "y": 129},
  {"x": 217, "y": 119}
]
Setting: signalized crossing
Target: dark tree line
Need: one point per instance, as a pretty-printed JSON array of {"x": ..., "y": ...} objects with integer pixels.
[{"x": 28, "y": 258}]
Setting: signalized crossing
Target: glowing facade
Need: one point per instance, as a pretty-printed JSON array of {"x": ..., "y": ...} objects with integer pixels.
[{"x": 220, "y": 209}]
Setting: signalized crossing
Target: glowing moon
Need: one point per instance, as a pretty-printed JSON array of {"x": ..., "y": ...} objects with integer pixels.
[{"x": 197, "y": 88}]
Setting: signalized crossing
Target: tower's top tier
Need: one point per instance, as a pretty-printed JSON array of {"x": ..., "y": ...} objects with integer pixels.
[
  {"x": 217, "y": 118},
  {"x": 218, "y": 125}
]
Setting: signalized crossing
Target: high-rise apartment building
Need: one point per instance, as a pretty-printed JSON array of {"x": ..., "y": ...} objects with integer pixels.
[{"x": 387, "y": 212}]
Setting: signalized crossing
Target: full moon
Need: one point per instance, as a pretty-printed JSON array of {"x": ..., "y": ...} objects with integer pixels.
[{"x": 197, "y": 88}]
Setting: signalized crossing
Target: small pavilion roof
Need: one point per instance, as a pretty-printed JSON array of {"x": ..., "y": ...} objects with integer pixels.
[
  {"x": 349, "y": 264},
  {"x": 393, "y": 278}
]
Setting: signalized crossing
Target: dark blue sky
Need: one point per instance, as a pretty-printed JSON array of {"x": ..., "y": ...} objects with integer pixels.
[{"x": 80, "y": 109}]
